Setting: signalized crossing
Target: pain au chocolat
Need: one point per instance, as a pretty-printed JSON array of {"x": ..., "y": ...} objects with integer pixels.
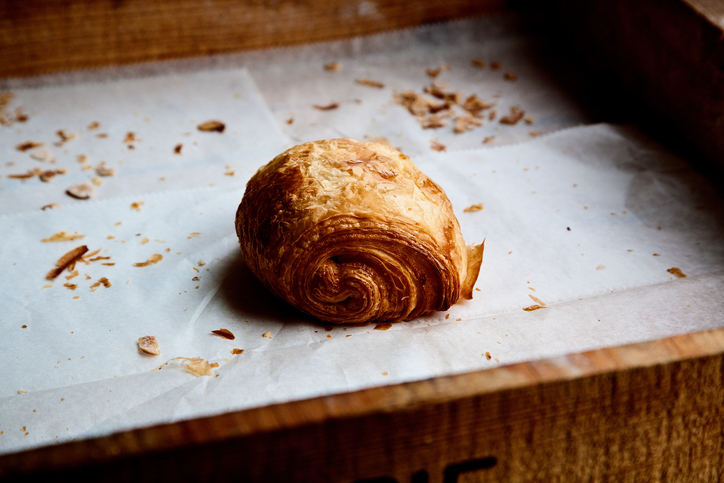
[{"x": 353, "y": 232}]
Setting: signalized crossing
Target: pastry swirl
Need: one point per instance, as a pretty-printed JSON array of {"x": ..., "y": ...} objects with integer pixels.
[{"x": 353, "y": 232}]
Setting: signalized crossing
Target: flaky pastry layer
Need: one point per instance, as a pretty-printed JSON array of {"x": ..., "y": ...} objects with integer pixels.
[{"x": 353, "y": 232}]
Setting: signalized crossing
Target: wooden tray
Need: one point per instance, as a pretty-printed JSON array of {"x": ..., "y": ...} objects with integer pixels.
[{"x": 647, "y": 411}]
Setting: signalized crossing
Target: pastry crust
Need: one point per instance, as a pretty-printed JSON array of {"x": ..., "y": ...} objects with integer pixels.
[{"x": 353, "y": 232}]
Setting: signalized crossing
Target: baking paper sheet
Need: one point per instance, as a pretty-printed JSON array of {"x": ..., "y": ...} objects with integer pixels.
[{"x": 589, "y": 220}]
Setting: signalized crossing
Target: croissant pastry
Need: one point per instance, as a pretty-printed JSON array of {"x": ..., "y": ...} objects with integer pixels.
[{"x": 353, "y": 232}]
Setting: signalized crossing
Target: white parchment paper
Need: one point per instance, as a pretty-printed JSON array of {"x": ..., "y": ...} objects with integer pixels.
[{"x": 588, "y": 219}]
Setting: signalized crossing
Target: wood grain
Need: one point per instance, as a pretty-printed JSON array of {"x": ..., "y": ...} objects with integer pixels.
[
  {"x": 41, "y": 36},
  {"x": 669, "y": 53},
  {"x": 651, "y": 411}
]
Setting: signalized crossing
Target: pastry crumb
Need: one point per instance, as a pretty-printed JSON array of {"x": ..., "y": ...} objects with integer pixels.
[
  {"x": 435, "y": 145},
  {"x": 676, "y": 271},
  {"x": 155, "y": 258},
  {"x": 267, "y": 335},
  {"x": 149, "y": 345},
  {"x": 333, "y": 66},
  {"x": 62, "y": 236},
  {"x": 225, "y": 333},
  {"x": 237, "y": 351},
  {"x": 328, "y": 107},
  {"x": 533, "y": 307},
  {"x": 370, "y": 83},
  {"x": 212, "y": 126},
  {"x": 475, "y": 207},
  {"x": 83, "y": 191}
]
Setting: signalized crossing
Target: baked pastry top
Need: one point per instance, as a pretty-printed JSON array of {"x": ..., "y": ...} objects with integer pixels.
[{"x": 353, "y": 232}]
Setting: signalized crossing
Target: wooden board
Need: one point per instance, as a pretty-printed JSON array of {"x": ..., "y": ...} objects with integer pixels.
[
  {"x": 651, "y": 411},
  {"x": 41, "y": 36},
  {"x": 668, "y": 53}
]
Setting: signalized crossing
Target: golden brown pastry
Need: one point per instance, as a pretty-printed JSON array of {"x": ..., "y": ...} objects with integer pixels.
[{"x": 353, "y": 232}]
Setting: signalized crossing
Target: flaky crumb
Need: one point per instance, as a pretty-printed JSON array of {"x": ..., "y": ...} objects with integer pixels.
[
  {"x": 328, "y": 107},
  {"x": 516, "y": 114},
  {"x": 466, "y": 123},
  {"x": 155, "y": 258},
  {"x": 436, "y": 145},
  {"x": 267, "y": 335},
  {"x": 333, "y": 66},
  {"x": 136, "y": 205},
  {"x": 509, "y": 76},
  {"x": 225, "y": 333},
  {"x": 370, "y": 83},
  {"x": 237, "y": 351},
  {"x": 488, "y": 356},
  {"x": 475, "y": 207},
  {"x": 81, "y": 191},
  {"x": 149, "y": 345},
  {"x": 488, "y": 139},
  {"x": 383, "y": 326},
  {"x": 66, "y": 261},
  {"x": 676, "y": 271},
  {"x": 536, "y": 299},
  {"x": 533, "y": 307},
  {"x": 495, "y": 65},
  {"x": 480, "y": 64},
  {"x": 177, "y": 149},
  {"x": 62, "y": 236},
  {"x": 212, "y": 126}
]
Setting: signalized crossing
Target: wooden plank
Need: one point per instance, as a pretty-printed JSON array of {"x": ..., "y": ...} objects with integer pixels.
[
  {"x": 651, "y": 411},
  {"x": 41, "y": 36},
  {"x": 668, "y": 53}
]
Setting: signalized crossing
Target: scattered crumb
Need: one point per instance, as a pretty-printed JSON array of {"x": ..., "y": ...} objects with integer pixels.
[
  {"x": 47, "y": 285},
  {"x": 536, "y": 299},
  {"x": 267, "y": 335},
  {"x": 509, "y": 76},
  {"x": 488, "y": 356},
  {"x": 480, "y": 64},
  {"x": 516, "y": 114},
  {"x": 290, "y": 120},
  {"x": 534, "y": 134},
  {"x": 30, "y": 174},
  {"x": 155, "y": 258},
  {"x": 435, "y": 145},
  {"x": 66, "y": 260},
  {"x": 433, "y": 121},
  {"x": 225, "y": 333},
  {"x": 447, "y": 316},
  {"x": 93, "y": 125},
  {"x": 102, "y": 170},
  {"x": 237, "y": 351},
  {"x": 229, "y": 173},
  {"x": 471, "y": 208},
  {"x": 81, "y": 191},
  {"x": 656, "y": 255},
  {"x": 71, "y": 286},
  {"x": 495, "y": 65},
  {"x": 601, "y": 267},
  {"x": 492, "y": 114},
  {"x": 528, "y": 119},
  {"x": 383, "y": 326},
  {"x": 27, "y": 146},
  {"x": 212, "y": 126},
  {"x": 333, "y": 66},
  {"x": 101, "y": 135},
  {"x": 466, "y": 123},
  {"x": 149, "y": 345},
  {"x": 370, "y": 83},
  {"x": 458, "y": 320},
  {"x": 41, "y": 153},
  {"x": 384, "y": 373},
  {"x": 177, "y": 149},
  {"x": 488, "y": 139},
  {"x": 328, "y": 107},
  {"x": 194, "y": 234},
  {"x": 136, "y": 205},
  {"x": 676, "y": 271},
  {"x": 62, "y": 236},
  {"x": 130, "y": 137},
  {"x": 533, "y": 307}
]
